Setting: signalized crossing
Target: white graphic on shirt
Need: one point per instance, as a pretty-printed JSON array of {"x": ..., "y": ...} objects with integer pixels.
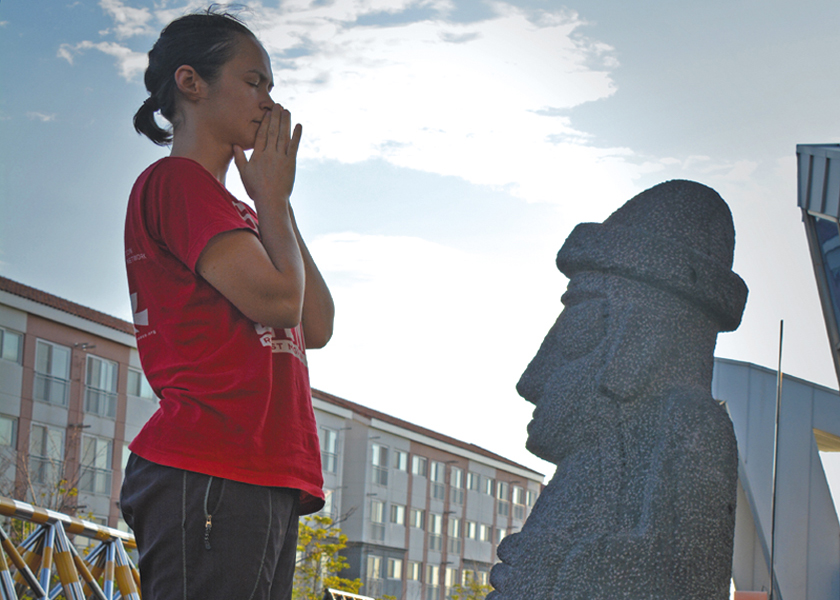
[
  {"x": 246, "y": 215},
  {"x": 131, "y": 256},
  {"x": 288, "y": 341},
  {"x": 141, "y": 318}
]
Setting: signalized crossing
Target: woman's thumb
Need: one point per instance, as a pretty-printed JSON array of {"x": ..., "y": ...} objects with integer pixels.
[{"x": 239, "y": 158}]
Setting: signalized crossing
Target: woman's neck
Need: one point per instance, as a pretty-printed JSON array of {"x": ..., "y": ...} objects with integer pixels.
[{"x": 208, "y": 153}]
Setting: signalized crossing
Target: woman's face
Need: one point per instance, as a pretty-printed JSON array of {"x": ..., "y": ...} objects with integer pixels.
[{"x": 236, "y": 102}]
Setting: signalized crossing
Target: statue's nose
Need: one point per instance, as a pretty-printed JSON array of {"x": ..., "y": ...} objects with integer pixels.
[
  {"x": 530, "y": 385},
  {"x": 532, "y": 381}
]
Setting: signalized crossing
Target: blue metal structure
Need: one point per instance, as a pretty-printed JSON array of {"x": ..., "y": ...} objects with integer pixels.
[{"x": 818, "y": 195}]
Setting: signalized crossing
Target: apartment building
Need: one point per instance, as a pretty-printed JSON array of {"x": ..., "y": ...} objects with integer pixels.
[
  {"x": 72, "y": 395},
  {"x": 422, "y": 511}
]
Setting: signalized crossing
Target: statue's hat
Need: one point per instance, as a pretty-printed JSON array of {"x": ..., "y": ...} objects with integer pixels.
[{"x": 677, "y": 236}]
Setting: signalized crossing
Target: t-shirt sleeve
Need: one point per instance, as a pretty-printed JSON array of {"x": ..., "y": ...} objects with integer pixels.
[{"x": 186, "y": 207}]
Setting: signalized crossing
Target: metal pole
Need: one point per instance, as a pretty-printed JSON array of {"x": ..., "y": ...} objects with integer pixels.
[
  {"x": 775, "y": 465},
  {"x": 22, "y": 510}
]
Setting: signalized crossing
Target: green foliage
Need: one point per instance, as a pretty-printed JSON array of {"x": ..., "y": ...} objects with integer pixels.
[
  {"x": 319, "y": 561},
  {"x": 473, "y": 589}
]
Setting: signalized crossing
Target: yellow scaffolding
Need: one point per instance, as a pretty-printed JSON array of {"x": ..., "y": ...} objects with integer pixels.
[{"x": 105, "y": 573}]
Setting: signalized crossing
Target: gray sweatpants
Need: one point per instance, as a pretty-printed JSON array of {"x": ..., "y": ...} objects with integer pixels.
[{"x": 206, "y": 538}]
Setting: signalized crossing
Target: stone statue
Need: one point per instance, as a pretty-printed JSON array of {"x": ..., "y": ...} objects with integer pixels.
[{"x": 642, "y": 504}]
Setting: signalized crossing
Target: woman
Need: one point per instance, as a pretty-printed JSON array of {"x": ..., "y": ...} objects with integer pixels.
[{"x": 226, "y": 300}]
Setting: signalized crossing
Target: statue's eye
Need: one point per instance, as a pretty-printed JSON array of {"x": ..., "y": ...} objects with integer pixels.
[{"x": 581, "y": 328}]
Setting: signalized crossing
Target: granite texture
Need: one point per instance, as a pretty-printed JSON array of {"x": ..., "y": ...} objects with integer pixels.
[{"x": 642, "y": 504}]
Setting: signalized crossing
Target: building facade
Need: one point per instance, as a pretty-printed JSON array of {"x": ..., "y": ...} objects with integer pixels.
[
  {"x": 422, "y": 511},
  {"x": 72, "y": 395}
]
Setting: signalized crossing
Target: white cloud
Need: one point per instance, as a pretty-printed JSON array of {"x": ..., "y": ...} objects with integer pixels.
[
  {"x": 128, "y": 21},
  {"x": 484, "y": 101},
  {"x": 437, "y": 331},
  {"x": 129, "y": 63},
  {"x": 43, "y": 117},
  {"x": 488, "y": 108}
]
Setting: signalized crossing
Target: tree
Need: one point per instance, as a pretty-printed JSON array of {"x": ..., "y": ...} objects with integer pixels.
[
  {"x": 44, "y": 481},
  {"x": 471, "y": 589},
  {"x": 319, "y": 561}
]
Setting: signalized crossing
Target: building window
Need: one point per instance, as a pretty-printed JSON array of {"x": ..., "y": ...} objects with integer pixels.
[
  {"x": 503, "y": 507},
  {"x": 46, "y": 454},
  {"x": 471, "y": 530},
  {"x": 484, "y": 532},
  {"x": 124, "y": 458},
  {"x": 517, "y": 495},
  {"x": 96, "y": 464},
  {"x": 395, "y": 568},
  {"x": 374, "y": 576},
  {"x": 329, "y": 453},
  {"x": 454, "y": 527},
  {"x": 484, "y": 577},
  {"x": 432, "y": 581},
  {"x": 450, "y": 578},
  {"x": 377, "y": 520},
  {"x": 437, "y": 474},
  {"x": 138, "y": 386},
  {"x": 418, "y": 465},
  {"x": 329, "y": 503},
  {"x": 435, "y": 531},
  {"x": 412, "y": 572},
  {"x": 473, "y": 481},
  {"x": 11, "y": 345},
  {"x": 415, "y": 517},
  {"x": 456, "y": 485},
  {"x": 453, "y": 530},
  {"x": 501, "y": 533},
  {"x": 52, "y": 373},
  {"x": 530, "y": 497},
  {"x": 487, "y": 485},
  {"x": 400, "y": 460},
  {"x": 380, "y": 464},
  {"x": 398, "y": 514},
  {"x": 8, "y": 431},
  {"x": 101, "y": 387}
]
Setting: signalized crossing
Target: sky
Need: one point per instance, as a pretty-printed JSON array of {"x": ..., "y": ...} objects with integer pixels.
[{"x": 449, "y": 147}]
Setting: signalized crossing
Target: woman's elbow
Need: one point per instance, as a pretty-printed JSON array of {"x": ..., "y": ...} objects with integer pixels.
[{"x": 317, "y": 336}]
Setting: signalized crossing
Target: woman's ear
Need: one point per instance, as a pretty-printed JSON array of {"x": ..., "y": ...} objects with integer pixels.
[{"x": 190, "y": 83}]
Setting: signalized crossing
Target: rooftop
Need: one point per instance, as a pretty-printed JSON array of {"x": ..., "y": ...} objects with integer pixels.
[{"x": 89, "y": 314}]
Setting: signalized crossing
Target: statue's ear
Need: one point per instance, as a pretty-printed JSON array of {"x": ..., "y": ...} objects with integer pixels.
[{"x": 633, "y": 357}]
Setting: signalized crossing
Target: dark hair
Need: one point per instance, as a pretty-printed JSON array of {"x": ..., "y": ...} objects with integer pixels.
[{"x": 204, "y": 41}]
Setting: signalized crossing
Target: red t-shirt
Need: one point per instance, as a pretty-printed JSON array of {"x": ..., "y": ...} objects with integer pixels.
[{"x": 234, "y": 395}]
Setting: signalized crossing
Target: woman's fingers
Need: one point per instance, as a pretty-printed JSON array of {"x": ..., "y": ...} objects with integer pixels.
[
  {"x": 275, "y": 117},
  {"x": 261, "y": 141},
  {"x": 270, "y": 171},
  {"x": 285, "y": 127},
  {"x": 239, "y": 159},
  {"x": 295, "y": 141}
]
